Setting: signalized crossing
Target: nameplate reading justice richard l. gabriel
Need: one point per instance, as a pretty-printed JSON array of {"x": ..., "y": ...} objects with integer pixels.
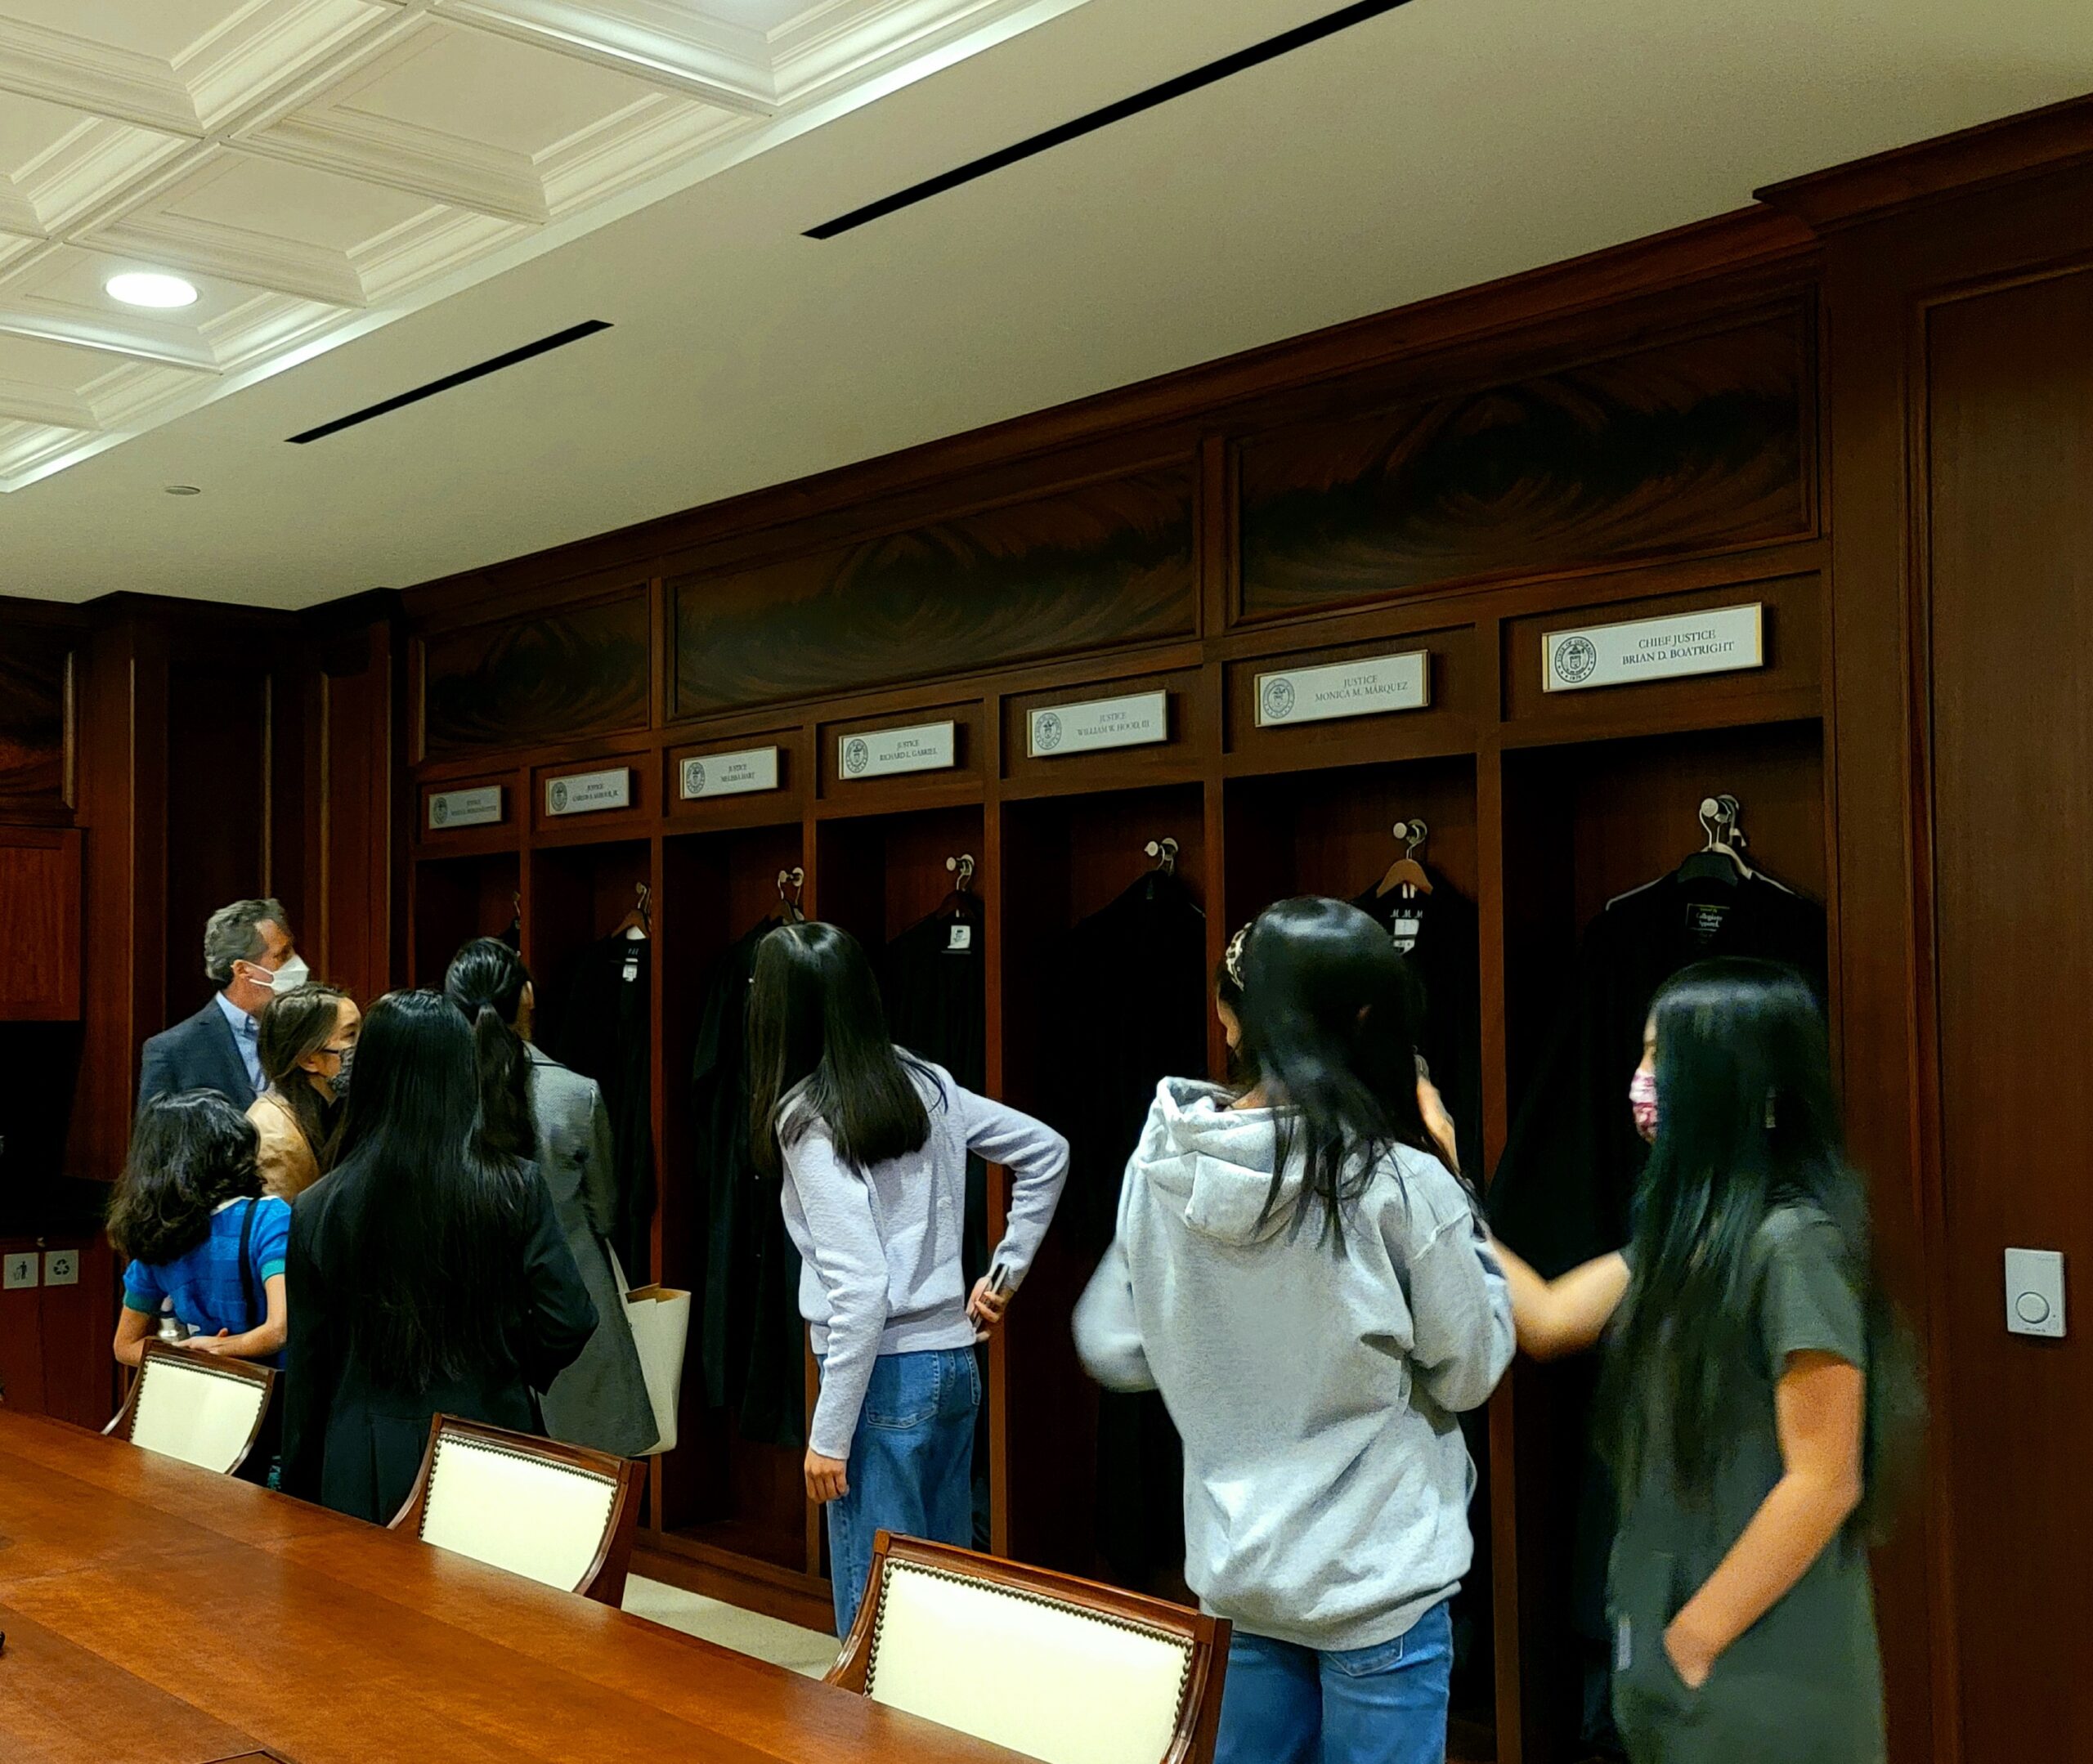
[
  {"x": 1366, "y": 687},
  {"x": 753, "y": 769},
  {"x": 582, "y": 792},
  {"x": 881, "y": 753},
  {"x": 1724, "y": 640},
  {"x": 480, "y": 807},
  {"x": 1131, "y": 722}
]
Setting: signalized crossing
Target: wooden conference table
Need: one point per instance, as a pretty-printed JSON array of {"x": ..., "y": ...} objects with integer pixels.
[{"x": 156, "y": 1614}]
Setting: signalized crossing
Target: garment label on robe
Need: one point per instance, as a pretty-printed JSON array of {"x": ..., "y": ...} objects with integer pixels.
[
  {"x": 481, "y": 807},
  {"x": 881, "y": 753},
  {"x": 753, "y": 769},
  {"x": 960, "y": 939},
  {"x": 1132, "y": 722},
  {"x": 1367, "y": 687},
  {"x": 585, "y": 792},
  {"x": 1724, "y": 640}
]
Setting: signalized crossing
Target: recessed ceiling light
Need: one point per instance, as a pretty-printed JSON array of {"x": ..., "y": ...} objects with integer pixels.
[
  {"x": 183, "y": 489},
  {"x": 149, "y": 288}
]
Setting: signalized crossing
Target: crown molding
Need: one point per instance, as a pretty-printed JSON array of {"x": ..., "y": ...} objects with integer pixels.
[
  {"x": 92, "y": 168},
  {"x": 22, "y": 402},
  {"x": 118, "y": 83},
  {"x": 258, "y": 49},
  {"x": 429, "y": 245},
  {"x": 660, "y": 44},
  {"x": 405, "y": 156},
  {"x": 49, "y": 321},
  {"x": 208, "y": 247},
  {"x": 611, "y": 156},
  {"x": 842, "y": 42}
]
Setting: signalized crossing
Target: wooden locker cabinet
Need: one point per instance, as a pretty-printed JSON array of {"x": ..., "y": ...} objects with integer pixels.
[{"x": 39, "y": 924}]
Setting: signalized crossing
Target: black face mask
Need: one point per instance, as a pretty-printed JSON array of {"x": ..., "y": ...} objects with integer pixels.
[{"x": 339, "y": 1083}]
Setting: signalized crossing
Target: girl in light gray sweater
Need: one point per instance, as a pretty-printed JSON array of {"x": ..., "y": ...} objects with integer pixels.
[
  {"x": 1309, "y": 1288},
  {"x": 871, "y": 1144}
]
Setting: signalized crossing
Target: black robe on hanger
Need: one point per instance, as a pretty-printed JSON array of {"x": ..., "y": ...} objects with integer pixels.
[
  {"x": 934, "y": 983},
  {"x": 1133, "y": 982},
  {"x": 597, "y": 1026},
  {"x": 1440, "y": 934},
  {"x": 751, "y": 1342}
]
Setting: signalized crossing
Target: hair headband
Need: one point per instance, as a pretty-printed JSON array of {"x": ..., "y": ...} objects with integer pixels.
[{"x": 1232, "y": 959}]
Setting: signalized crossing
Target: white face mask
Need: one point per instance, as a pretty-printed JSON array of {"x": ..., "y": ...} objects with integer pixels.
[{"x": 292, "y": 974}]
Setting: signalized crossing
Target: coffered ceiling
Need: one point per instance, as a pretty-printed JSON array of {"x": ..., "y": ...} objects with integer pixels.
[
  {"x": 372, "y": 196},
  {"x": 317, "y": 167}
]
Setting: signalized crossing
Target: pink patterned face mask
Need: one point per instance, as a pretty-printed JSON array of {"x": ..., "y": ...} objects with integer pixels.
[{"x": 1642, "y": 1099}]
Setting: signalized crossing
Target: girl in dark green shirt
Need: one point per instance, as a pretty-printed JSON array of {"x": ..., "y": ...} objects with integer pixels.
[{"x": 1746, "y": 1393}]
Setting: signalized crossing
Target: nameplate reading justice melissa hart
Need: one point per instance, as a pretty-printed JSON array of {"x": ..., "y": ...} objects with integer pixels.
[
  {"x": 480, "y": 807},
  {"x": 582, "y": 792},
  {"x": 1724, "y": 640},
  {"x": 753, "y": 769},
  {"x": 1367, "y": 687},
  {"x": 1133, "y": 721},
  {"x": 881, "y": 753}
]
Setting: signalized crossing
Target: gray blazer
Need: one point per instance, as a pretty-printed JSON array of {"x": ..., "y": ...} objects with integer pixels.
[{"x": 601, "y": 1400}]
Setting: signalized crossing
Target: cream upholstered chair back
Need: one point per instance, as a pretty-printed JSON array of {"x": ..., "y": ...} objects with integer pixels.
[
  {"x": 560, "y": 1515},
  {"x": 1055, "y": 1669},
  {"x": 204, "y": 1410}
]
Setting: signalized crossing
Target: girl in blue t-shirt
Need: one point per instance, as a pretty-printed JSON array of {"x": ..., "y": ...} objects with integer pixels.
[{"x": 201, "y": 1237}]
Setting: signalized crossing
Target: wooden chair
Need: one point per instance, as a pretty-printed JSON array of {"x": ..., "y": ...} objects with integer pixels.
[
  {"x": 564, "y": 1515},
  {"x": 1054, "y": 1668},
  {"x": 202, "y": 1408}
]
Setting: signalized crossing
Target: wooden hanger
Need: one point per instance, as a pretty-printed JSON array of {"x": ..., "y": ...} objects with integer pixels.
[
  {"x": 638, "y": 922},
  {"x": 1406, "y": 873}
]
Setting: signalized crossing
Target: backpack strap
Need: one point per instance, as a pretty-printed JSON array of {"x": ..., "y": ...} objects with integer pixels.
[{"x": 247, "y": 1269}]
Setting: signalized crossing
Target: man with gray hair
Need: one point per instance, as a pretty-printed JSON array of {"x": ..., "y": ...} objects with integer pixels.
[{"x": 249, "y": 955}]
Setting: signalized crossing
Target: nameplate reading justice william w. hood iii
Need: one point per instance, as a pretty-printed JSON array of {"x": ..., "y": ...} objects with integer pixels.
[
  {"x": 1722, "y": 641},
  {"x": 1367, "y": 687},
  {"x": 1132, "y": 722}
]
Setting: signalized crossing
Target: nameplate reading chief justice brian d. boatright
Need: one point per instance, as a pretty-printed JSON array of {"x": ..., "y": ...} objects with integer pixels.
[{"x": 1722, "y": 641}]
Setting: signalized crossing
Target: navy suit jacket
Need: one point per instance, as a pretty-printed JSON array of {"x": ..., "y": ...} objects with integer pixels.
[{"x": 197, "y": 1054}]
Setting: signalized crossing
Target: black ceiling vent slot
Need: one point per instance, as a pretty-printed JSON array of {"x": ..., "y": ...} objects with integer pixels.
[
  {"x": 1228, "y": 65},
  {"x": 494, "y": 365}
]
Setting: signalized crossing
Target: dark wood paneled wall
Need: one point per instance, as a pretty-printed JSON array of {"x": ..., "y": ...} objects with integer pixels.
[{"x": 1648, "y": 422}]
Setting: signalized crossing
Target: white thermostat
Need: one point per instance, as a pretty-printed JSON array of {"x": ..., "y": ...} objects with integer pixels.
[{"x": 2034, "y": 1293}]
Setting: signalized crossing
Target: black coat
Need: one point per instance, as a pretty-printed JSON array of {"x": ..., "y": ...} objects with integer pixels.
[
  {"x": 197, "y": 1054},
  {"x": 353, "y": 1442}
]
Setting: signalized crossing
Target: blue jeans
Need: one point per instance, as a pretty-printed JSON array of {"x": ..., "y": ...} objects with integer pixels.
[
  {"x": 1378, "y": 1705},
  {"x": 911, "y": 1465}
]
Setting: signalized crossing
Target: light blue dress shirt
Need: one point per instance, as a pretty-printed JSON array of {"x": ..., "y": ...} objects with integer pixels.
[{"x": 246, "y": 1038}]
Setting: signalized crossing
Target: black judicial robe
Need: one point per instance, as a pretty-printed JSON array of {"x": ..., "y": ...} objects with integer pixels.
[
  {"x": 1443, "y": 953},
  {"x": 1133, "y": 991},
  {"x": 597, "y": 1025},
  {"x": 752, "y": 1343},
  {"x": 1566, "y": 1184}
]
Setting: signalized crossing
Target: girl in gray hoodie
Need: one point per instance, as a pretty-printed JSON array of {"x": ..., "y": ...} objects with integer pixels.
[{"x": 1309, "y": 1286}]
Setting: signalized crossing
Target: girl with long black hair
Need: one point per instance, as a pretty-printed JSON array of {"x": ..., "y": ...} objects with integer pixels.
[
  {"x": 428, "y": 1272},
  {"x": 1756, "y": 1390},
  {"x": 535, "y": 1109},
  {"x": 1308, "y": 1285},
  {"x": 871, "y": 1143}
]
